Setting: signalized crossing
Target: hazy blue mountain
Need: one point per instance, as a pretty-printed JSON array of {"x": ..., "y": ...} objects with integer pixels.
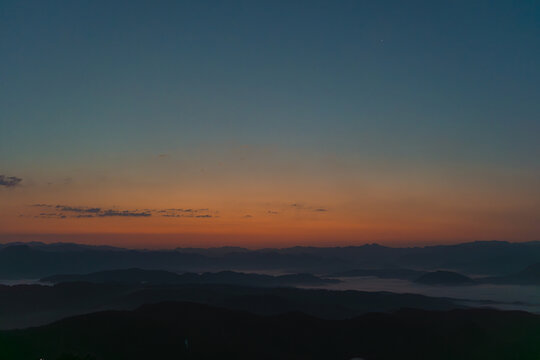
[
  {"x": 444, "y": 278},
  {"x": 492, "y": 258},
  {"x": 24, "y": 261},
  {"x": 480, "y": 257},
  {"x": 213, "y": 251},
  {"x": 528, "y": 276},
  {"x": 138, "y": 276},
  {"x": 405, "y": 274}
]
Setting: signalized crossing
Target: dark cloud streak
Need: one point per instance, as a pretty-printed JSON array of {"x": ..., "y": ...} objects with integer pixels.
[
  {"x": 98, "y": 212},
  {"x": 308, "y": 208},
  {"x": 78, "y": 209},
  {"x": 9, "y": 181},
  {"x": 125, "y": 213}
]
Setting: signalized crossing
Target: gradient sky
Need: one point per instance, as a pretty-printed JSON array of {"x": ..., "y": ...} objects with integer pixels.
[{"x": 269, "y": 123}]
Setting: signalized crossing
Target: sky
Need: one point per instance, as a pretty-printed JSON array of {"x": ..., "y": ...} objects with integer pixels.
[{"x": 269, "y": 123}]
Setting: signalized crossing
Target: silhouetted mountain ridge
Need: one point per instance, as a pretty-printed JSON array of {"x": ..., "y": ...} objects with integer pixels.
[
  {"x": 528, "y": 276},
  {"x": 405, "y": 274},
  {"x": 137, "y": 276},
  {"x": 441, "y": 277},
  {"x": 493, "y": 258},
  {"x": 31, "y": 305}
]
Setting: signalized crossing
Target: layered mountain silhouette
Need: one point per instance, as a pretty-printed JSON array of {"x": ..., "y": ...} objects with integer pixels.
[
  {"x": 146, "y": 304},
  {"x": 404, "y": 274},
  {"x": 528, "y": 276},
  {"x": 31, "y": 305},
  {"x": 493, "y": 258},
  {"x": 196, "y": 331}
]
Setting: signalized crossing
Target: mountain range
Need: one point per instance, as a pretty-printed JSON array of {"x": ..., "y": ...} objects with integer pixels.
[
  {"x": 31, "y": 305},
  {"x": 488, "y": 258},
  {"x": 141, "y": 276}
]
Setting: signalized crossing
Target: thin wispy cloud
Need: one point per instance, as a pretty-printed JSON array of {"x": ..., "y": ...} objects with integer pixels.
[
  {"x": 296, "y": 207},
  {"x": 299, "y": 206},
  {"x": 63, "y": 211},
  {"x": 78, "y": 209},
  {"x": 125, "y": 213},
  {"x": 185, "y": 213}
]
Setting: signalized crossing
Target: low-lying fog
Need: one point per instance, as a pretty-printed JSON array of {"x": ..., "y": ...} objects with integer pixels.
[{"x": 508, "y": 297}]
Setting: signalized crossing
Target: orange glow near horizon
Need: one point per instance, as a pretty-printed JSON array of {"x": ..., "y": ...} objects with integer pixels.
[
  {"x": 278, "y": 227},
  {"x": 302, "y": 206}
]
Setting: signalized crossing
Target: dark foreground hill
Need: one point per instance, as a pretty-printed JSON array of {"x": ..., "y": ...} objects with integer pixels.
[
  {"x": 31, "y": 305},
  {"x": 194, "y": 331},
  {"x": 138, "y": 276}
]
